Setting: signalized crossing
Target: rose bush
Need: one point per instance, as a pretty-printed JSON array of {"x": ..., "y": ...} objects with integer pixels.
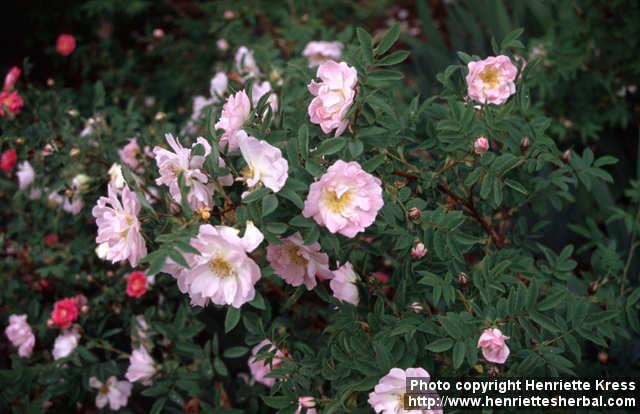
[{"x": 254, "y": 213}]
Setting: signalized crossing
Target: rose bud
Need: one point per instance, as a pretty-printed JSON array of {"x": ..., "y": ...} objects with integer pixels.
[
  {"x": 463, "y": 279},
  {"x": 419, "y": 250},
  {"x": 481, "y": 145},
  {"x": 414, "y": 213}
]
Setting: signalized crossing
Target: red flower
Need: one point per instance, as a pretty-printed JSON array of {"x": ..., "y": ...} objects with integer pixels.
[
  {"x": 8, "y": 159},
  {"x": 12, "y": 101},
  {"x": 136, "y": 284},
  {"x": 11, "y": 78},
  {"x": 65, "y": 312},
  {"x": 51, "y": 239},
  {"x": 66, "y": 44}
]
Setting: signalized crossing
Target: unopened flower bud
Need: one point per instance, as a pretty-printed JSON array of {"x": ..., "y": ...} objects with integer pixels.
[
  {"x": 158, "y": 33},
  {"x": 566, "y": 156},
  {"x": 307, "y": 402},
  {"x": 50, "y": 82},
  {"x": 74, "y": 152},
  {"x": 73, "y": 112},
  {"x": 50, "y": 323},
  {"x": 524, "y": 144},
  {"x": 419, "y": 250},
  {"x": 603, "y": 357},
  {"x": 160, "y": 116},
  {"x": 414, "y": 213},
  {"x": 416, "y": 307},
  {"x": 481, "y": 145},
  {"x": 222, "y": 44},
  {"x": 229, "y": 14},
  {"x": 84, "y": 309},
  {"x": 463, "y": 279}
]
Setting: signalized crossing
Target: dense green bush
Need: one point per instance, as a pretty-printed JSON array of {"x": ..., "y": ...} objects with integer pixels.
[{"x": 533, "y": 231}]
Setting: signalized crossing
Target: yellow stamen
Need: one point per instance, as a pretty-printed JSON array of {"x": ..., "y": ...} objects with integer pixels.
[
  {"x": 490, "y": 76},
  {"x": 104, "y": 389},
  {"x": 295, "y": 257},
  {"x": 221, "y": 267},
  {"x": 337, "y": 204}
]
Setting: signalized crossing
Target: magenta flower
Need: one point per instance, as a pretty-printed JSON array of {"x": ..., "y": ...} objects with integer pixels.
[
  {"x": 235, "y": 113},
  {"x": 343, "y": 284},
  {"x": 297, "y": 263},
  {"x": 20, "y": 335},
  {"x": 319, "y": 52},
  {"x": 388, "y": 395},
  {"x": 260, "y": 368},
  {"x": 345, "y": 200},
  {"x": 265, "y": 164},
  {"x": 494, "y": 348},
  {"x": 118, "y": 226},
  {"x": 334, "y": 96},
  {"x": 491, "y": 80}
]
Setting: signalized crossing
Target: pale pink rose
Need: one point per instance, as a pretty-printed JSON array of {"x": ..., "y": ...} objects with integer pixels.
[
  {"x": 222, "y": 44},
  {"x": 118, "y": 226},
  {"x": 419, "y": 250},
  {"x": 171, "y": 164},
  {"x": 343, "y": 284},
  {"x": 259, "y": 89},
  {"x": 481, "y": 145},
  {"x": 11, "y": 78},
  {"x": 319, "y": 52},
  {"x": 20, "y": 335},
  {"x": 218, "y": 86},
  {"x": 25, "y": 174},
  {"x": 345, "y": 200},
  {"x": 334, "y": 96},
  {"x": 494, "y": 348},
  {"x": 265, "y": 164},
  {"x": 491, "y": 80},
  {"x": 235, "y": 113},
  {"x": 65, "y": 343},
  {"x": 141, "y": 366},
  {"x": 115, "y": 393},
  {"x": 222, "y": 273},
  {"x": 297, "y": 263},
  {"x": 260, "y": 368},
  {"x": 246, "y": 64},
  {"x": 130, "y": 155},
  {"x": 388, "y": 395}
]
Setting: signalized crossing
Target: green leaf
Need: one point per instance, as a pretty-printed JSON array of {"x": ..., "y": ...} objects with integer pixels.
[
  {"x": 235, "y": 352},
  {"x": 158, "y": 405},
  {"x": 366, "y": 43},
  {"x": 231, "y": 319},
  {"x": 388, "y": 39},
  {"x": 516, "y": 186},
  {"x": 330, "y": 146},
  {"x": 394, "y": 58},
  {"x": 384, "y": 75},
  {"x": 269, "y": 204},
  {"x": 440, "y": 345},
  {"x": 256, "y": 195},
  {"x": 458, "y": 354}
]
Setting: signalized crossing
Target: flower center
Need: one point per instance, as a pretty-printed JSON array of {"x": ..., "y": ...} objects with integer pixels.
[
  {"x": 337, "y": 203},
  {"x": 248, "y": 172},
  {"x": 104, "y": 389},
  {"x": 221, "y": 267},
  {"x": 295, "y": 257},
  {"x": 490, "y": 76}
]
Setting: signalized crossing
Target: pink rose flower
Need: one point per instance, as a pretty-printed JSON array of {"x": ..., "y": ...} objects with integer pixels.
[
  {"x": 343, "y": 284},
  {"x": 259, "y": 89},
  {"x": 334, "y": 96},
  {"x": 222, "y": 273},
  {"x": 388, "y": 395},
  {"x": 12, "y": 101},
  {"x": 136, "y": 284},
  {"x": 171, "y": 164},
  {"x": 118, "y": 226},
  {"x": 494, "y": 348},
  {"x": 74, "y": 204},
  {"x": 11, "y": 78},
  {"x": 345, "y": 200},
  {"x": 481, "y": 145},
  {"x": 65, "y": 343},
  {"x": 235, "y": 112},
  {"x": 141, "y": 366},
  {"x": 265, "y": 164},
  {"x": 246, "y": 64},
  {"x": 491, "y": 80},
  {"x": 8, "y": 160},
  {"x": 129, "y": 155},
  {"x": 307, "y": 402},
  {"x": 319, "y": 52},
  {"x": 115, "y": 393},
  {"x": 66, "y": 44},
  {"x": 25, "y": 174},
  {"x": 65, "y": 312},
  {"x": 222, "y": 44},
  {"x": 20, "y": 335},
  {"x": 419, "y": 250},
  {"x": 297, "y": 263},
  {"x": 260, "y": 368}
]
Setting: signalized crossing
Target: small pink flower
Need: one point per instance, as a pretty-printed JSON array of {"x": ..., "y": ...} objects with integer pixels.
[
  {"x": 115, "y": 393},
  {"x": 141, "y": 366},
  {"x": 235, "y": 113},
  {"x": 73, "y": 205},
  {"x": 419, "y": 250},
  {"x": 229, "y": 14},
  {"x": 65, "y": 312},
  {"x": 12, "y": 101},
  {"x": 222, "y": 44},
  {"x": 260, "y": 368},
  {"x": 130, "y": 154},
  {"x": 65, "y": 343},
  {"x": 136, "y": 284},
  {"x": 334, "y": 96},
  {"x": 345, "y": 200},
  {"x": 491, "y": 80},
  {"x": 246, "y": 64},
  {"x": 8, "y": 160},
  {"x": 12, "y": 77},
  {"x": 66, "y": 44},
  {"x": 494, "y": 348},
  {"x": 218, "y": 85},
  {"x": 343, "y": 284},
  {"x": 118, "y": 226},
  {"x": 481, "y": 145},
  {"x": 259, "y": 90},
  {"x": 20, "y": 335},
  {"x": 158, "y": 33},
  {"x": 25, "y": 174},
  {"x": 222, "y": 273},
  {"x": 319, "y": 52},
  {"x": 265, "y": 164},
  {"x": 298, "y": 263},
  {"x": 388, "y": 395},
  {"x": 306, "y": 402}
]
